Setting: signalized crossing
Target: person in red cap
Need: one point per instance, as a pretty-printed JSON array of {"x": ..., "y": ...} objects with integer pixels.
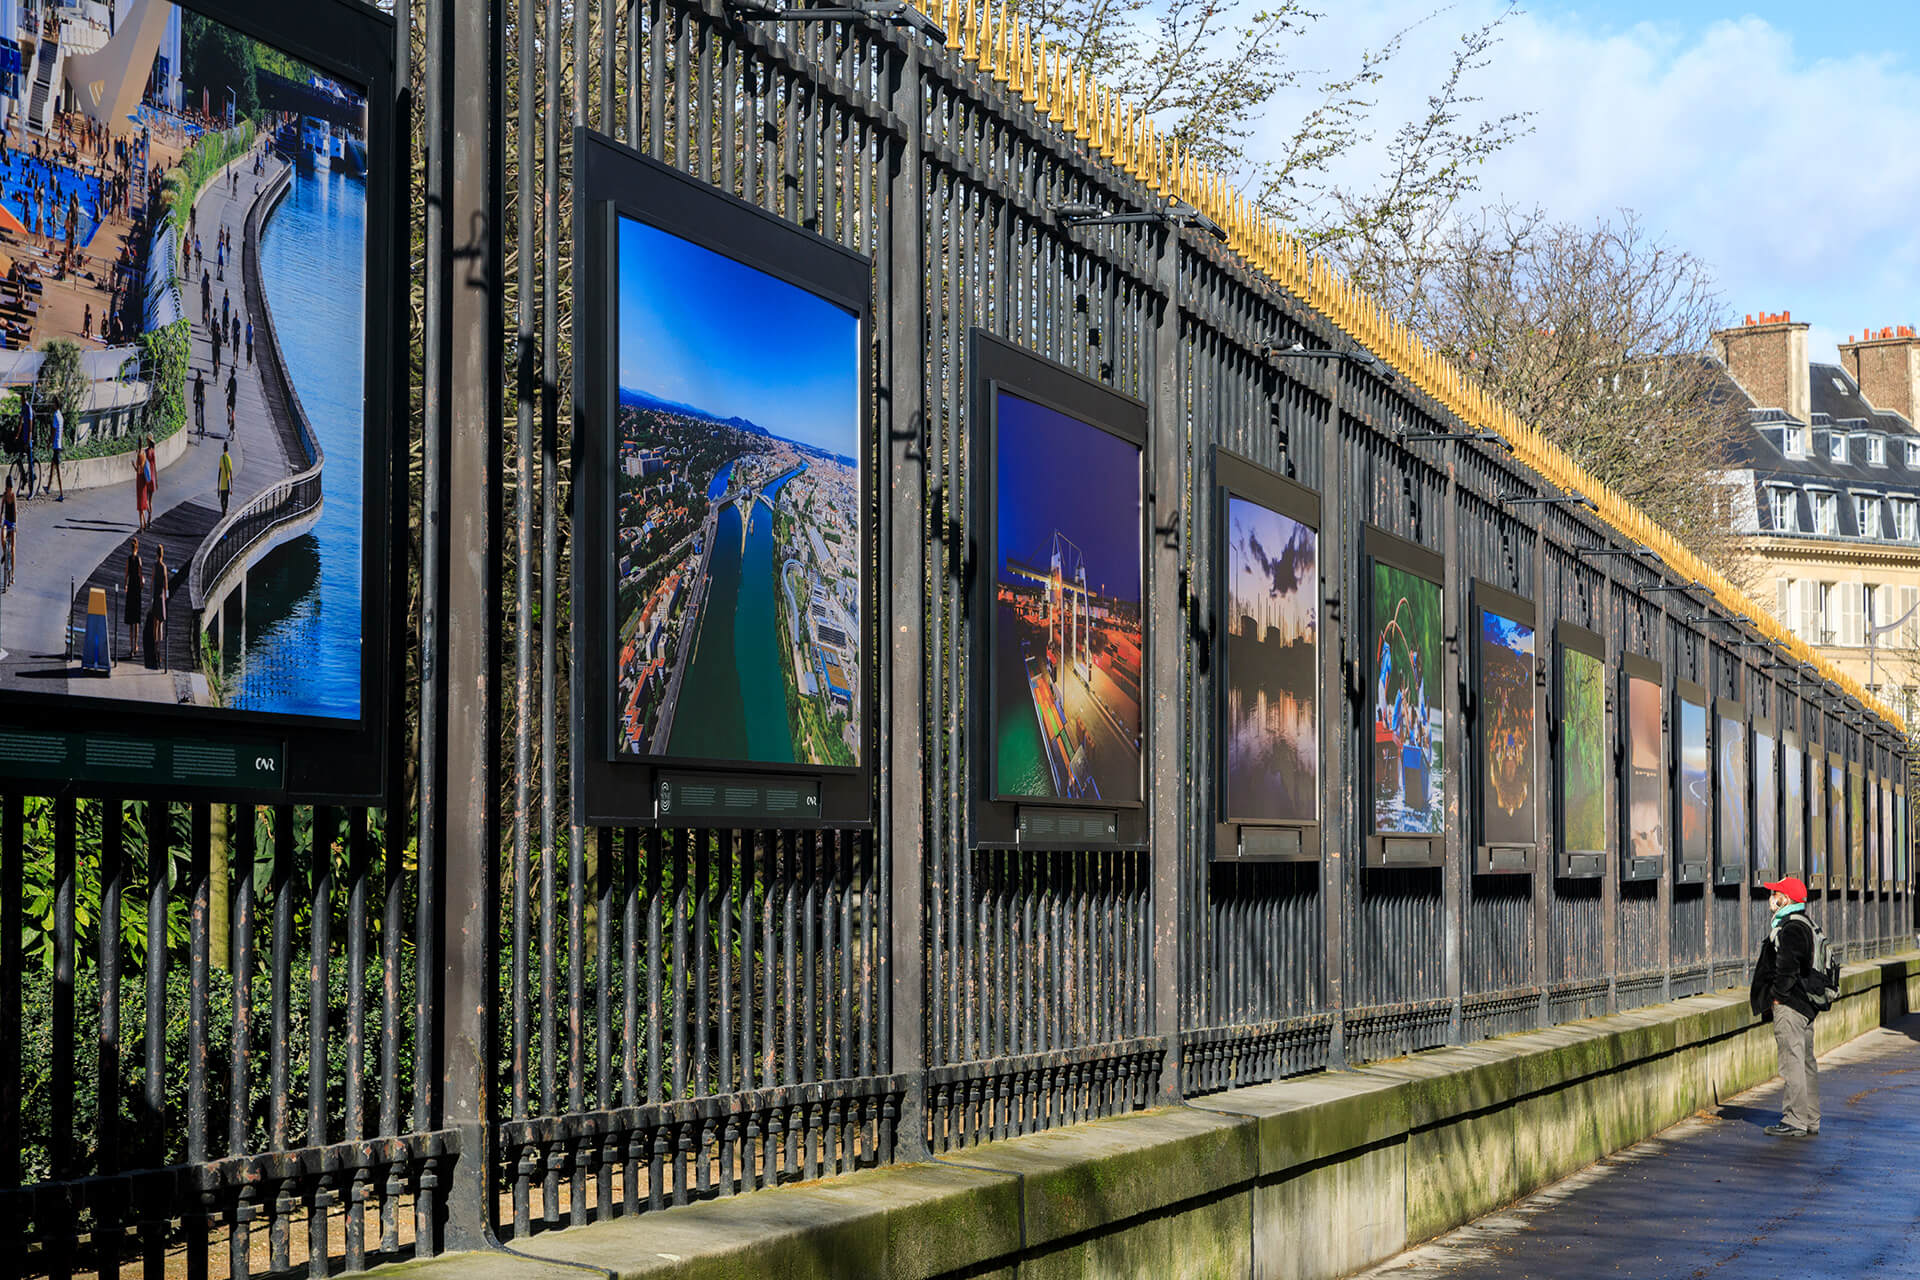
[{"x": 1780, "y": 991}]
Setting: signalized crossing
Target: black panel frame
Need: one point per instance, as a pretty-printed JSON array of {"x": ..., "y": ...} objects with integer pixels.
[
  {"x": 995, "y": 365},
  {"x": 1239, "y": 477},
  {"x": 1503, "y": 857},
  {"x": 325, "y": 760},
  {"x": 1819, "y": 824},
  {"x": 614, "y": 181},
  {"x": 1570, "y": 863},
  {"x": 1395, "y": 849},
  {"x": 1634, "y": 667},
  {"x": 1688, "y": 870},
  {"x": 1761, "y": 726},
  {"x": 1728, "y": 870}
]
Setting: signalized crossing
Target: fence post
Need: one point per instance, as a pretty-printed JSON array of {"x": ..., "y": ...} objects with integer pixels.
[
  {"x": 905, "y": 532},
  {"x": 459, "y": 813},
  {"x": 1455, "y": 851},
  {"x": 1339, "y": 522},
  {"x": 1166, "y": 504}
]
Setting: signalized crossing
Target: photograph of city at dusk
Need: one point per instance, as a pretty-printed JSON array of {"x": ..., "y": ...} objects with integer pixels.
[
  {"x": 736, "y": 512},
  {"x": 1646, "y": 829},
  {"x": 1272, "y": 643},
  {"x": 1068, "y": 552}
]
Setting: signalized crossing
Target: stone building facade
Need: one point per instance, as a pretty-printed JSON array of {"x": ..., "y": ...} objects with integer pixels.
[{"x": 1825, "y": 488}]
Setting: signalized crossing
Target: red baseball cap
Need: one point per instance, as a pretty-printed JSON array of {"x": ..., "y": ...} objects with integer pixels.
[{"x": 1790, "y": 886}]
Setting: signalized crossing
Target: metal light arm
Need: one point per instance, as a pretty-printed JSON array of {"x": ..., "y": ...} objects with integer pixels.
[
  {"x": 1570, "y": 500},
  {"x": 1476, "y": 437},
  {"x": 1177, "y": 212},
  {"x": 1645, "y": 553},
  {"x": 889, "y": 13}
]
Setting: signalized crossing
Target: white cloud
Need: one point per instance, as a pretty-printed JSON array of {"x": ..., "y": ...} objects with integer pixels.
[{"x": 1793, "y": 177}]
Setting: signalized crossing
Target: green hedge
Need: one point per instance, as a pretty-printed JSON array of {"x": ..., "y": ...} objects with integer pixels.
[{"x": 202, "y": 160}]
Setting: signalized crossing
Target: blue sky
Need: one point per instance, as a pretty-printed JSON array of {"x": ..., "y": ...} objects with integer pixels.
[
  {"x": 1053, "y": 473},
  {"x": 1772, "y": 140},
  {"x": 1506, "y": 633},
  {"x": 703, "y": 330}
]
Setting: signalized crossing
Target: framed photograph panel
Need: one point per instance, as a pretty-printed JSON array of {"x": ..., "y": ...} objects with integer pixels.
[
  {"x": 1406, "y": 769},
  {"x": 1267, "y": 673},
  {"x": 1837, "y": 856},
  {"x": 1732, "y": 789},
  {"x": 1692, "y": 784},
  {"x": 1793, "y": 807},
  {"x": 1817, "y": 822},
  {"x": 1900, "y": 855},
  {"x": 723, "y": 504},
  {"x": 1060, "y": 575},
  {"x": 1856, "y": 827},
  {"x": 200, "y": 588},
  {"x": 1766, "y": 800},
  {"x": 1581, "y": 751},
  {"x": 1643, "y": 854},
  {"x": 1506, "y": 731}
]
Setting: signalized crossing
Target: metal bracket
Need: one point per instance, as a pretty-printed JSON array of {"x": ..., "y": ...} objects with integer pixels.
[
  {"x": 886, "y": 13},
  {"x": 1573, "y": 500},
  {"x": 1175, "y": 212},
  {"x": 1476, "y": 437}
]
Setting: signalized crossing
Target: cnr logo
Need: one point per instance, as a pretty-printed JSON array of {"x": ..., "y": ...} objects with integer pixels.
[{"x": 265, "y": 764}]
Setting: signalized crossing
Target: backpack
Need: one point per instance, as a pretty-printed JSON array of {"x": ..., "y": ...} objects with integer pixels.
[{"x": 1823, "y": 974}]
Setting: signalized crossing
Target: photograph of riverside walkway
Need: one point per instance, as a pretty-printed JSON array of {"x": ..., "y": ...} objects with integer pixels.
[{"x": 200, "y": 290}]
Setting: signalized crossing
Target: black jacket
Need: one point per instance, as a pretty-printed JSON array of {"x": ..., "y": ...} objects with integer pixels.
[{"x": 1780, "y": 974}]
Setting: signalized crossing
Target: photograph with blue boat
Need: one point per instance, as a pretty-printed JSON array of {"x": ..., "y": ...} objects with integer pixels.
[{"x": 183, "y": 364}]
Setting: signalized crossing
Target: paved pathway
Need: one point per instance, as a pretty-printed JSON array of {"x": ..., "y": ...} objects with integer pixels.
[
  {"x": 87, "y": 536},
  {"x": 1715, "y": 1197}
]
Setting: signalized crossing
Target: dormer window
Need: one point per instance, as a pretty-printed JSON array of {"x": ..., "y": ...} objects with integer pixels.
[
  {"x": 1906, "y": 520},
  {"x": 1837, "y": 444},
  {"x": 1913, "y": 454},
  {"x": 1866, "y": 515},
  {"x": 1876, "y": 451},
  {"x": 1784, "y": 516},
  {"x": 1793, "y": 443},
  {"x": 1826, "y": 513}
]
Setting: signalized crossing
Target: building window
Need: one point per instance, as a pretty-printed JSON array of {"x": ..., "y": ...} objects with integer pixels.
[
  {"x": 1793, "y": 442},
  {"x": 1837, "y": 444},
  {"x": 1909, "y": 633},
  {"x": 1913, "y": 454},
  {"x": 1906, "y": 521},
  {"x": 1866, "y": 516},
  {"x": 1784, "y": 516},
  {"x": 1876, "y": 451},
  {"x": 1845, "y": 618},
  {"x": 1826, "y": 514}
]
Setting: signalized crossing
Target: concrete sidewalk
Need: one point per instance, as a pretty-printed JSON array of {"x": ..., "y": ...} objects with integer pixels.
[{"x": 1714, "y": 1196}]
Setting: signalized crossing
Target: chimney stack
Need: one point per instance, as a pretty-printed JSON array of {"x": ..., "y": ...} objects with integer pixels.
[
  {"x": 1886, "y": 364},
  {"x": 1767, "y": 356}
]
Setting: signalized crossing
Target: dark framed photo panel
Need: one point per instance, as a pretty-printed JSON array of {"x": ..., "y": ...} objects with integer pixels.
[
  {"x": 1405, "y": 767},
  {"x": 1692, "y": 784},
  {"x": 1580, "y": 711},
  {"x": 1733, "y": 793},
  {"x": 1879, "y": 847},
  {"x": 1817, "y": 822},
  {"x": 1643, "y": 770},
  {"x": 1900, "y": 853},
  {"x": 1793, "y": 806},
  {"x": 200, "y": 603},
  {"x": 723, "y": 503},
  {"x": 1267, "y": 664},
  {"x": 1856, "y": 827},
  {"x": 1506, "y": 732},
  {"x": 1837, "y": 855},
  {"x": 1766, "y": 800},
  {"x": 1058, "y": 502}
]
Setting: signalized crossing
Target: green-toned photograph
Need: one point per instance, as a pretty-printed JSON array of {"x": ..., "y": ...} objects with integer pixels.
[{"x": 1583, "y": 751}]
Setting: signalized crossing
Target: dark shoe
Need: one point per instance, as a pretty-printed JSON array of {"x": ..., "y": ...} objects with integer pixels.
[{"x": 1785, "y": 1131}]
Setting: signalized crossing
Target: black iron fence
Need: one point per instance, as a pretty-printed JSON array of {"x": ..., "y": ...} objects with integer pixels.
[{"x": 252, "y": 1039}]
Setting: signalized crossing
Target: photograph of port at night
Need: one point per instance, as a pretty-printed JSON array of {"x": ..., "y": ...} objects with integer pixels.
[
  {"x": 1068, "y": 553},
  {"x": 1272, "y": 665},
  {"x": 736, "y": 512},
  {"x": 183, "y": 250}
]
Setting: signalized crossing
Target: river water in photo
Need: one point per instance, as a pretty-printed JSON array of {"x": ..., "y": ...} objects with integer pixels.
[
  {"x": 303, "y": 599},
  {"x": 733, "y": 699}
]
